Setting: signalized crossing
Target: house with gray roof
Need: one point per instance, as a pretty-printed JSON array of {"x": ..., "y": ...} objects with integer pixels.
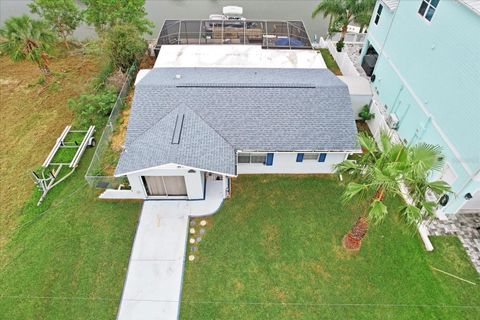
[{"x": 189, "y": 125}]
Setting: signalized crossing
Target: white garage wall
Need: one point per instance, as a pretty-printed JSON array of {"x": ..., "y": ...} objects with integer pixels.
[
  {"x": 284, "y": 162},
  {"x": 193, "y": 181}
]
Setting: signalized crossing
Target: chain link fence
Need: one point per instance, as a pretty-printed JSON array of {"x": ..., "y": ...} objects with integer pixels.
[{"x": 96, "y": 176}]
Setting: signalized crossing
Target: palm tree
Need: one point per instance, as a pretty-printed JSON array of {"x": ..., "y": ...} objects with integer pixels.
[
  {"x": 384, "y": 171},
  {"x": 27, "y": 39},
  {"x": 344, "y": 12}
]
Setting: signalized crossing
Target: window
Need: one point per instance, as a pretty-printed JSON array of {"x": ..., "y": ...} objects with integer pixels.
[
  {"x": 427, "y": 8},
  {"x": 252, "y": 158},
  {"x": 320, "y": 157},
  {"x": 244, "y": 158},
  {"x": 379, "y": 12},
  {"x": 310, "y": 156}
]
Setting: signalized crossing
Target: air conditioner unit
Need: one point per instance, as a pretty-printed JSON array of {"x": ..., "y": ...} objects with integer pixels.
[{"x": 392, "y": 121}]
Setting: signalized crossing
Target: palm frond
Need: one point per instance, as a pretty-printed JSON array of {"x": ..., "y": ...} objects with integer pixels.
[
  {"x": 355, "y": 190},
  {"x": 367, "y": 143},
  {"x": 439, "y": 187},
  {"x": 377, "y": 211},
  {"x": 427, "y": 156},
  {"x": 347, "y": 167},
  {"x": 411, "y": 214}
]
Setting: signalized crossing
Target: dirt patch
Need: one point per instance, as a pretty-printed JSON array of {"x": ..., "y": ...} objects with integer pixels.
[
  {"x": 32, "y": 118},
  {"x": 118, "y": 138},
  {"x": 116, "y": 80},
  {"x": 147, "y": 62},
  {"x": 362, "y": 126}
]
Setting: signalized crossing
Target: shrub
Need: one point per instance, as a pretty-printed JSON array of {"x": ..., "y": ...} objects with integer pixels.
[
  {"x": 340, "y": 45},
  {"x": 365, "y": 113},
  {"x": 101, "y": 79},
  {"x": 92, "y": 108},
  {"x": 124, "y": 45}
]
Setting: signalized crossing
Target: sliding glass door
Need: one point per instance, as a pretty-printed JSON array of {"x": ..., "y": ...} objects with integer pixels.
[{"x": 165, "y": 185}]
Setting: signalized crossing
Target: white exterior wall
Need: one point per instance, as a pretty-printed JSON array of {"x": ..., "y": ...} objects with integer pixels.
[
  {"x": 194, "y": 182},
  {"x": 472, "y": 205},
  {"x": 358, "y": 101},
  {"x": 284, "y": 162}
]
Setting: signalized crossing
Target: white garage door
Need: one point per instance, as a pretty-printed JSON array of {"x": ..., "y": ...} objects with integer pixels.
[{"x": 165, "y": 185}]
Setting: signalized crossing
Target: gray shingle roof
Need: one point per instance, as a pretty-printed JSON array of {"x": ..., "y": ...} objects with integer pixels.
[{"x": 228, "y": 109}]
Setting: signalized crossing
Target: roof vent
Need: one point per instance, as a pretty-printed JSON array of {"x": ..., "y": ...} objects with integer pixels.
[
  {"x": 178, "y": 76},
  {"x": 177, "y": 131}
]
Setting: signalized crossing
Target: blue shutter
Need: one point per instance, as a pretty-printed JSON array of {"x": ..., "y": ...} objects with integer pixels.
[
  {"x": 269, "y": 159},
  {"x": 299, "y": 157},
  {"x": 322, "y": 157}
]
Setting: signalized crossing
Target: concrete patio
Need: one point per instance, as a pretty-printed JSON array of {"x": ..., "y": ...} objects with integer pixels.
[{"x": 153, "y": 284}]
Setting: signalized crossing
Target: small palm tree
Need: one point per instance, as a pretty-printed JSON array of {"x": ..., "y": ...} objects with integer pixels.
[
  {"x": 344, "y": 12},
  {"x": 27, "y": 39},
  {"x": 386, "y": 171}
]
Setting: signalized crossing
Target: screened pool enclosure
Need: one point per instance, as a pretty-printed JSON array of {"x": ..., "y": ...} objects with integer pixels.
[{"x": 269, "y": 34}]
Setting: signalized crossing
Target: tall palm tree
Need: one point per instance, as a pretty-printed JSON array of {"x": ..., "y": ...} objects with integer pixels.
[
  {"x": 27, "y": 39},
  {"x": 345, "y": 12},
  {"x": 384, "y": 171}
]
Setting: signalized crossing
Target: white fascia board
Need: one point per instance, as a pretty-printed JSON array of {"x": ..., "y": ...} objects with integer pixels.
[{"x": 173, "y": 166}]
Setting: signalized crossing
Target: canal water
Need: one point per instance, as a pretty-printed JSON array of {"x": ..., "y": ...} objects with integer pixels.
[{"x": 159, "y": 10}]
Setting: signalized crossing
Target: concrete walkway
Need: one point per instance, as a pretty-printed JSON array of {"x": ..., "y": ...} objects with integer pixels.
[{"x": 153, "y": 285}]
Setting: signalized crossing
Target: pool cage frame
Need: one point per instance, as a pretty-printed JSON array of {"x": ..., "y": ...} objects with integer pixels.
[{"x": 270, "y": 34}]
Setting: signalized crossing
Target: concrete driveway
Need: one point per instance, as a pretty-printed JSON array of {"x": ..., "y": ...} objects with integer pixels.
[{"x": 154, "y": 278}]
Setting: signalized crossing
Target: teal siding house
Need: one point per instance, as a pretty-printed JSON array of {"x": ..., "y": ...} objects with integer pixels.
[{"x": 423, "y": 57}]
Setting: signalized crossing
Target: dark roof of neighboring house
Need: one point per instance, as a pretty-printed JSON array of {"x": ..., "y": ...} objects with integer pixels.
[{"x": 229, "y": 109}]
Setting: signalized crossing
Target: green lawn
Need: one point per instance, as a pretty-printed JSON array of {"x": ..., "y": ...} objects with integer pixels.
[
  {"x": 274, "y": 252},
  {"x": 67, "y": 259},
  {"x": 330, "y": 62}
]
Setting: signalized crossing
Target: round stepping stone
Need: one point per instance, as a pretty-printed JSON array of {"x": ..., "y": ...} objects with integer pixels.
[
  {"x": 193, "y": 249},
  {"x": 202, "y": 231},
  {"x": 191, "y": 257},
  {"x": 203, "y": 223},
  {"x": 192, "y": 241},
  {"x": 193, "y": 223},
  {"x": 192, "y": 230},
  {"x": 198, "y": 239}
]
